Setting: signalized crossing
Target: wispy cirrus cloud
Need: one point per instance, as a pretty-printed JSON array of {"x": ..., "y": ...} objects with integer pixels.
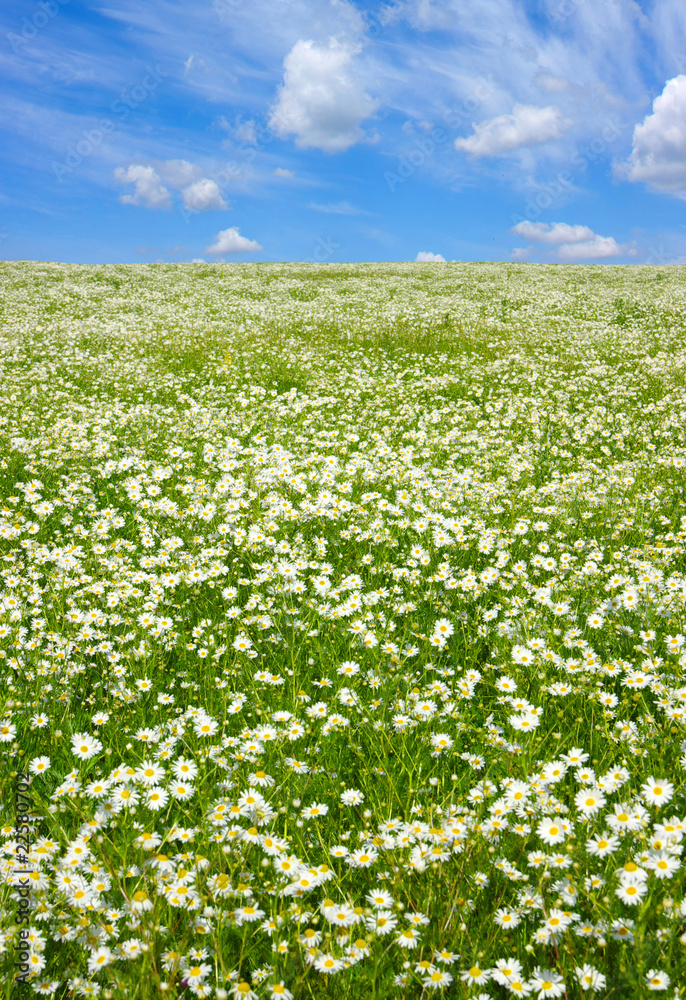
[{"x": 337, "y": 208}]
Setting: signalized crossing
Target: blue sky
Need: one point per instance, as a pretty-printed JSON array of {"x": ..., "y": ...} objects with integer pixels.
[{"x": 327, "y": 130}]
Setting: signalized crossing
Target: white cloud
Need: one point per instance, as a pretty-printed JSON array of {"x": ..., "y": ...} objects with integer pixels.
[
  {"x": 203, "y": 195},
  {"x": 177, "y": 173},
  {"x": 231, "y": 241},
  {"x": 528, "y": 125},
  {"x": 149, "y": 190},
  {"x": 321, "y": 102},
  {"x": 521, "y": 253},
  {"x": 558, "y": 232},
  {"x": 245, "y": 132},
  {"x": 425, "y": 257},
  {"x": 658, "y": 156},
  {"x": 571, "y": 243},
  {"x": 551, "y": 83},
  {"x": 596, "y": 249},
  {"x": 198, "y": 260},
  {"x": 199, "y": 194},
  {"x": 282, "y": 172},
  {"x": 336, "y": 208}
]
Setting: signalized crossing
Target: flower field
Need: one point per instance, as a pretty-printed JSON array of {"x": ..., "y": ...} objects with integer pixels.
[{"x": 342, "y": 631}]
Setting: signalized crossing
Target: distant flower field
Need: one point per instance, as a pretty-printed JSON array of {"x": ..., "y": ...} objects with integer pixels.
[{"x": 342, "y": 631}]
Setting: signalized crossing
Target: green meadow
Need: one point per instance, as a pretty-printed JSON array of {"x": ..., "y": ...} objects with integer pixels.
[{"x": 342, "y": 637}]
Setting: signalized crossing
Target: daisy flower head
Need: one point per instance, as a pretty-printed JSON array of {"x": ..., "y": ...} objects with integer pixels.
[
  {"x": 632, "y": 890},
  {"x": 408, "y": 938},
  {"x": 243, "y": 991},
  {"x": 475, "y": 975},
  {"x": 589, "y": 801},
  {"x": 352, "y": 797},
  {"x": 261, "y": 779},
  {"x": 8, "y": 731},
  {"x": 205, "y": 727},
  {"x": 342, "y": 916},
  {"x": 363, "y": 857},
  {"x": 524, "y": 723},
  {"x": 657, "y": 793},
  {"x": 551, "y": 830},
  {"x": 277, "y": 991},
  {"x": 444, "y": 627},
  {"x": 328, "y": 964},
  {"x": 39, "y": 765},
  {"x": 557, "y": 921},
  {"x": 518, "y": 987},
  {"x": 157, "y": 798},
  {"x": 547, "y": 983},
  {"x": 380, "y": 900},
  {"x": 657, "y": 980},
  {"x": 150, "y": 773},
  {"x": 382, "y": 922},
  {"x": 590, "y": 978},
  {"x": 602, "y": 845},
  {"x": 85, "y": 746},
  {"x": 447, "y": 957},
  {"x": 437, "y": 979},
  {"x": 506, "y": 918},
  {"x": 663, "y": 865},
  {"x": 507, "y": 969},
  {"x": 317, "y": 809}
]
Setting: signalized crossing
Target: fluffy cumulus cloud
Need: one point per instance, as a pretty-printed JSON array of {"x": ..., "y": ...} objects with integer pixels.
[
  {"x": 322, "y": 102},
  {"x": 177, "y": 173},
  {"x": 558, "y": 232},
  {"x": 198, "y": 193},
  {"x": 231, "y": 241},
  {"x": 658, "y": 155},
  {"x": 149, "y": 191},
  {"x": 599, "y": 248},
  {"x": 528, "y": 125},
  {"x": 426, "y": 257},
  {"x": 282, "y": 172},
  {"x": 203, "y": 195},
  {"x": 571, "y": 243}
]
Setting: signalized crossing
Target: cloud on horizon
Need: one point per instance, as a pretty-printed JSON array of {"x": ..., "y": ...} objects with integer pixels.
[{"x": 231, "y": 241}]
